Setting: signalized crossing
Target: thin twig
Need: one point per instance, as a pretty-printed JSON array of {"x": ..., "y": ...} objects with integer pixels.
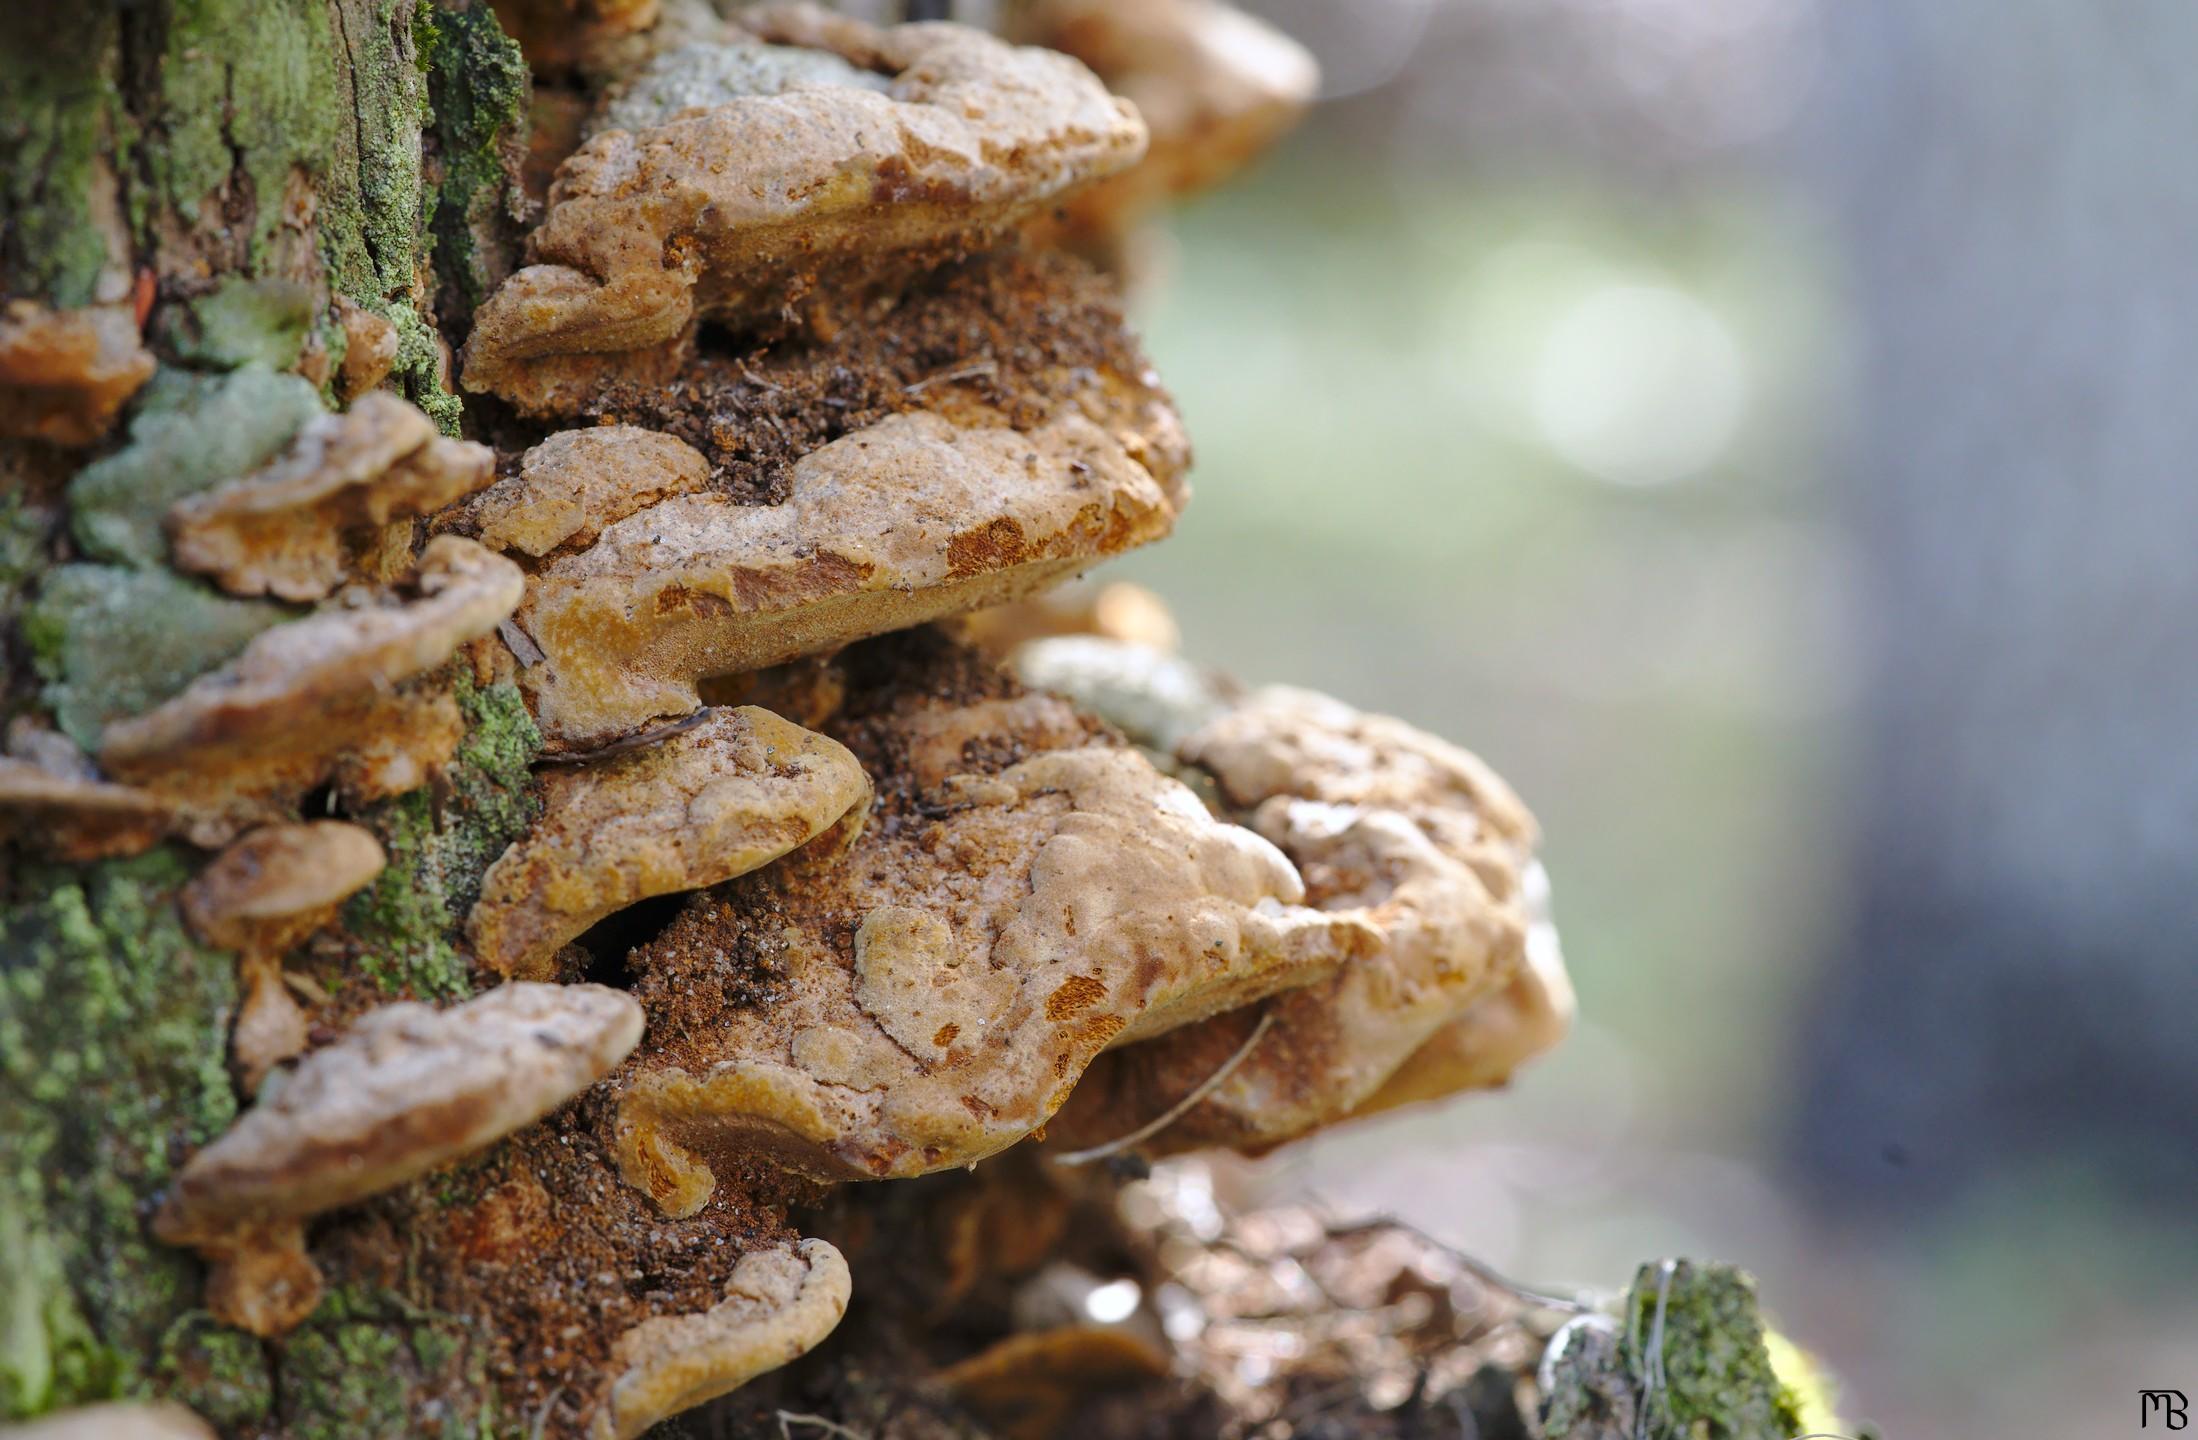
[
  {"x": 631, "y": 742},
  {"x": 1176, "y": 1111},
  {"x": 1480, "y": 1270},
  {"x": 788, "y": 1419},
  {"x": 961, "y": 372},
  {"x": 541, "y": 1416}
]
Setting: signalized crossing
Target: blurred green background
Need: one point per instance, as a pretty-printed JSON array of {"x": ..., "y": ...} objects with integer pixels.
[{"x": 1525, "y": 383}]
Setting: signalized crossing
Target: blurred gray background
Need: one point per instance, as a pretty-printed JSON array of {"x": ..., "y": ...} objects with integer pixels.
[{"x": 1760, "y": 428}]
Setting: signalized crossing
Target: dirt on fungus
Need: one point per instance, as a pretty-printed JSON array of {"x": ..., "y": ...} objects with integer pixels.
[
  {"x": 724, "y": 953},
  {"x": 1008, "y": 338},
  {"x": 552, "y": 1257}
]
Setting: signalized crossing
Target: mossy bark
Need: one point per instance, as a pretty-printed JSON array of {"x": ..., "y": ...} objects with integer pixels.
[{"x": 232, "y": 168}]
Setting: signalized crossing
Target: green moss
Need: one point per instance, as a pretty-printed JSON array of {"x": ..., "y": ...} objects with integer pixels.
[
  {"x": 370, "y": 1366},
  {"x": 409, "y": 917},
  {"x": 222, "y": 1375},
  {"x": 57, "y": 108},
  {"x": 479, "y": 90},
  {"x": 189, "y": 431},
  {"x": 1694, "y": 1343},
  {"x": 244, "y": 322},
  {"x": 418, "y": 370},
  {"x": 112, "y": 1026},
  {"x": 111, "y": 642}
]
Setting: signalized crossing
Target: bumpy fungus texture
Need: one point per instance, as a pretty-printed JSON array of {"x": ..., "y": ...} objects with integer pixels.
[
  {"x": 260, "y": 897},
  {"x": 715, "y": 801},
  {"x": 321, "y": 698},
  {"x": 912, "y": 518},
  {"x": 295, "y": 528},
  {"x": 1403, "y": 832},
  {"x": 66, "y": 374},
  {"x": 1029, "y": 892},
  {"x": 778, "y": 1305},
  {"x": 1215, "y": 86},
  {"x": 408, "y": 1088},
  {"x": 779, "y": 202},
  {"x": 704, "y": 74},
  {"x": 576, "y": 482}
]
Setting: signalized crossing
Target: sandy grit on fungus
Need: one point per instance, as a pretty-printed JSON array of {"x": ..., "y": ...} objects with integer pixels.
[
  {"x": 1029, "y": 892},
  {"x": 321, "y": 698},
  {"x": 292, "y": 528},
  {"x": 770, "y": 203},
  {"x": 66, "y": 374},
  {"x": 1415, "y": 837},
  {"x": 908, "y": 520},
  {"x": 576, "y": 482},
  {"x": 1215, "y": 87},
  {"x": 263, "y": 895},
  {"x": 407, "y": 1089},
  {"x": 120, "y": 1421},
  {"x": 779, "y": 1304},
  {"x": 714, "y": 801}
]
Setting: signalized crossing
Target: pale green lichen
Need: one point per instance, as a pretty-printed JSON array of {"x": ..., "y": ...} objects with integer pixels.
[
  {"x": 242, "y": 322},
  {"x": 112, "y": 1031},
  {"x": 407, "y": 920},
  {"x": 418, "y": 370},
  {"x": 189, "y": 431},
  {"x": 110, "y": 641}
]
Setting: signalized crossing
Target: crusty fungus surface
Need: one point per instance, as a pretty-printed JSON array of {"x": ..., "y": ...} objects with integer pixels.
[
  {"x": 1029, "y": 892},
  {"x": 1410, "y": 834},
  {"x": 911, "y": 519},
  {"x": 1215, "y": 86},
  {"x": 269, "y": 890},
  {"x": 578, "y": 481},
  {"x": 769, "y": 202},
  {"x": 66, "y": 374},
  {"x": 407, "y": 1088},
  {"x": 291, "y": 529},
  {"x": 321, "y": 697},
  {"x": 779, "y": 1304},
  {"x": 714, "y": 801}
]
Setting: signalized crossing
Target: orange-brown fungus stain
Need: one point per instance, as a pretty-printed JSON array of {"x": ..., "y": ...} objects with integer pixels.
[{"x": 1078, "y": 992}]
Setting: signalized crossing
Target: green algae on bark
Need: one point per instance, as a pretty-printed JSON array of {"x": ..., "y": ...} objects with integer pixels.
[
  {"x": 113, "y": 1026},
  {"x": 480, "y": 92},
  {"x": 439, "y": 840}
]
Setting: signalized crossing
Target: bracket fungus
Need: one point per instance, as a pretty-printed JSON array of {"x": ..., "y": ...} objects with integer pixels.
[
  {"x": 66, "y": 374},
  {"x": 320, "y": 697},
  {"x": 407, "y": 1089},
  {"x": 713, "y": 801},
  {"x": 269, "y": 890},
  {"x": 772, "y": 202},
  {"x": 122, "y": 1420},
  {"x": 1031, "y": 892},
  {"x": 779, "y": 1303},
  {"x": 77, "y": 816},
  {"x": 1415, "y": 837},
  {"x": 576, "y": 482},
  {"x": 1215, "y": 86},
  {"x": 910, "y": 519},
  {"x": 283, "y": 530}
]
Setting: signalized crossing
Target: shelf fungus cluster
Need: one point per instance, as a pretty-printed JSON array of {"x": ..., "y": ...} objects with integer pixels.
[{"x": 618, "y": 830}]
